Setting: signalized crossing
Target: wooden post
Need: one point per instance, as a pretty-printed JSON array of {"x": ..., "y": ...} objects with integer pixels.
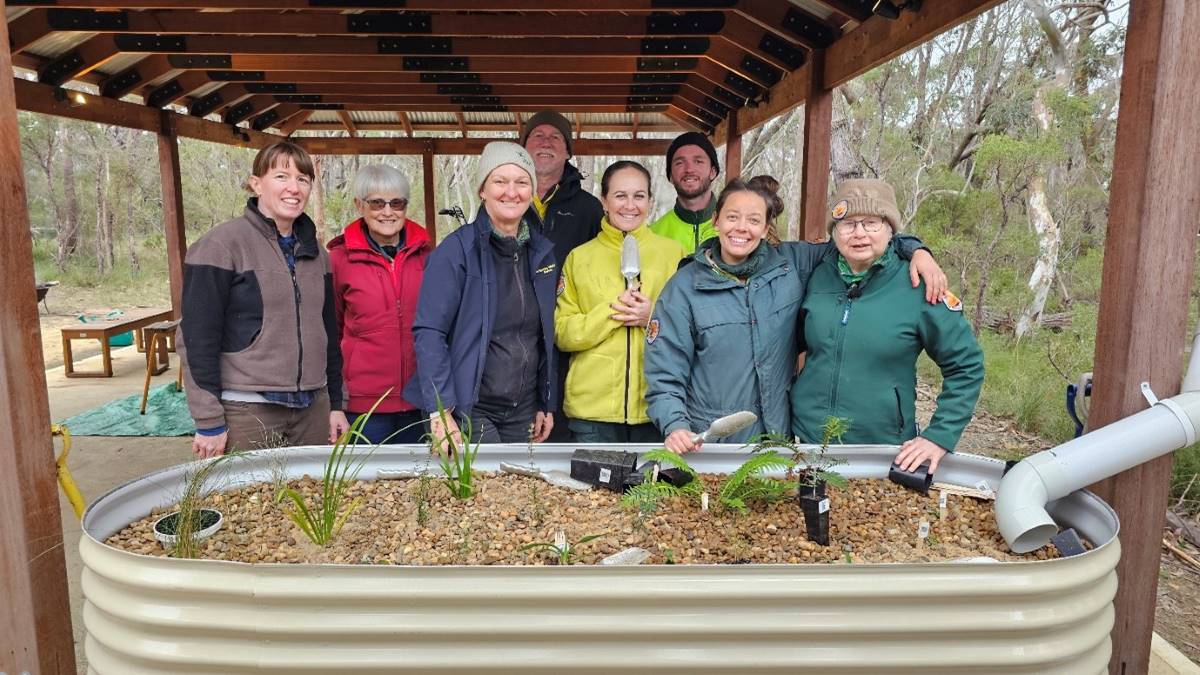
[
  {"x": 173, "y": 221},
  {"x": 1149, "y": 251},
  {"x": 428, "y": 180},
  {"x": 733, "y": 148},
  {"x": 35, "y": 615},
  {"x": 814, "y": 177}
]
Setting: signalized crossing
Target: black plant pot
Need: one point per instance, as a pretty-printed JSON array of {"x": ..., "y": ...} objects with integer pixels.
[
  {"x": 918, "y": 479},
  {"x": 815, "y": 506},
  {"x": 811, "y": 488}
]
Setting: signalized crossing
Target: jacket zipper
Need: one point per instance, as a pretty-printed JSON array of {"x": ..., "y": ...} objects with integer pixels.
[
  {"x": 837, "y": 357},
  {"x": 516, "y": 267},
  {"x": 628, "y": 358},
  {"x": 299, "y": 332}
]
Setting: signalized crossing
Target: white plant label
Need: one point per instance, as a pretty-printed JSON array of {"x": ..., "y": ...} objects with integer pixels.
[
  {"x": 983, "y": 486},
  {"x": 654, "y": 478},
  {"x": 923, "y": 529},
  {"x": 942, "y": 499},
  {"x": 823, "y": 506},
  {"x": 704, "y": 501},
  {"x": 605, "y": 475}
]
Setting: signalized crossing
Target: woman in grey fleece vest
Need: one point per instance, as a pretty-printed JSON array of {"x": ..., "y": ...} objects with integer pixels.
[{"x": 259, "y": 333}]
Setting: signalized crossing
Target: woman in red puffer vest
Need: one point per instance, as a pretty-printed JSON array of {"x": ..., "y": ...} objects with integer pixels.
[{"x": 377, "y": 263}]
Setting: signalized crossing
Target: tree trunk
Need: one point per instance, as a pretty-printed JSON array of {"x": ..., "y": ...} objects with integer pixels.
[
  {"x": 103, "y": 221},
  {"x": 132, "y": 236},
  {"x": 1048, "y": 230},
  {"x": 316, "y": 200},
  {"x": 68, "y": 222}
]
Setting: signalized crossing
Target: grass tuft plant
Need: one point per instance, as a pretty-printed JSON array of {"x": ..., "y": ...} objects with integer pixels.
[
  {"x": 562, "y": 550},
  {"x": 456, "y": 454},
  {"x": 191, "y": 502},
  {"x": 322, "y": 521}
]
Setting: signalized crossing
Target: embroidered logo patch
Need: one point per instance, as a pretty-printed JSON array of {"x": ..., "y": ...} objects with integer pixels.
[
  {"x": 952, "y": 302},
  {"x": 562, "y": 284},
  {"x": 547, "y": 269},
  {"x": 840, "y": 209},
  {"x": 651, "y": 331}
]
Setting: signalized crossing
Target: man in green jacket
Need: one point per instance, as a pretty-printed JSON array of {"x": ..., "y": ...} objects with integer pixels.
[
  {"x": 692, "y": 167},
  {"x": 864, "y": 327}
]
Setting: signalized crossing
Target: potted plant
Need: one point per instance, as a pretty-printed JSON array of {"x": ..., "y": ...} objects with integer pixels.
[{"x": 815, "y": 475}]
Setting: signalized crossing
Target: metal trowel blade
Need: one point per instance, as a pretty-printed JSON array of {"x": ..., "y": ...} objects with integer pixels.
[
  {"x": 631, "y": 261},
  {"x": 728, "y": 425}
]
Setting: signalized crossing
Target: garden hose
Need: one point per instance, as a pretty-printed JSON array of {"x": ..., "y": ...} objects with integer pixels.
[{"x": 64, "y": 474}]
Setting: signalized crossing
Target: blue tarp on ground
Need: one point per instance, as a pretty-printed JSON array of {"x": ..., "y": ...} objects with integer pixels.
[{"x": 166, "y": 415}]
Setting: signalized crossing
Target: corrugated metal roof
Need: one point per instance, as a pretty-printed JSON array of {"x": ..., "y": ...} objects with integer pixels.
[
  {"x": 432, "y": 117},
  {"x": 57, "y": 43},
  {"x": 372, "y": 116}
]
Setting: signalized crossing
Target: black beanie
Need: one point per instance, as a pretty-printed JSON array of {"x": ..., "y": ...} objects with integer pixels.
[{"x": 693, "y": 138}]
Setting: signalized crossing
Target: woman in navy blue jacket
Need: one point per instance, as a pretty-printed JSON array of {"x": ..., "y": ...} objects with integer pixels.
[{"x": 484, "y": 329}]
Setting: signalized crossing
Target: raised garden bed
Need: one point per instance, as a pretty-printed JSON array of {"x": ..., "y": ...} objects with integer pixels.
[{"x": 449, "y": 594}]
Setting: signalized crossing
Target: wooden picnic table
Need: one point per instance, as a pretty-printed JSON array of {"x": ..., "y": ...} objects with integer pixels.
[{"x": 134, "y": 320}]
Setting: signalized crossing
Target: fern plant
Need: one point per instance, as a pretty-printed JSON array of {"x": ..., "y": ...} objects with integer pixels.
[
  {"x": 818, "y": 467},
  {"x": 322, "y": 520},
  {"x": 649, "y": 495},
  {"x": 749, "y": 484}
]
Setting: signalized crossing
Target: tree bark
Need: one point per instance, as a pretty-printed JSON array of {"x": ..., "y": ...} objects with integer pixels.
[
  {"x": 68, "y": 221},
  {"x": 1048, "y": 230},
  {"x": 316, "y": 200}
]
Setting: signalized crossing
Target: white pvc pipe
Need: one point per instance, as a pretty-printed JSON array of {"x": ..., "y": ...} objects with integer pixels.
[{"x": 1168, "y": 425}]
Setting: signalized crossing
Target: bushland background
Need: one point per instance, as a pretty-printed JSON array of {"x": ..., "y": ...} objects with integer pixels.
[{"x": 998, "y": 137}]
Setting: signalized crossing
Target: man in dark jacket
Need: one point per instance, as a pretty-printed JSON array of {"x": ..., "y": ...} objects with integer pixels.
[{"x": 570, "y": 216}]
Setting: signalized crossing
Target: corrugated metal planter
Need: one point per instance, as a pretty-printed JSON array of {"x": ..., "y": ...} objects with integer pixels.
[{"x": 161, "y": 615}]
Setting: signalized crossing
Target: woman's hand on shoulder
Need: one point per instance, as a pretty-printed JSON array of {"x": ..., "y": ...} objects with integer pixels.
[
  {"x": 914, "y": 452},
  {"x": 923, "y": 266}
]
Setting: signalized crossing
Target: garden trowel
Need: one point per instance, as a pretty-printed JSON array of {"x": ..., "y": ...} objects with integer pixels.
[
  {"x": 631, "y": 261},
  {"x": 726, "y": 426},
  {"x": 554, "y": 477}
]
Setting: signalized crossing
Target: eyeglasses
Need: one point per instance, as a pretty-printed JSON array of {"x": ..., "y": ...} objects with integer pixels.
[
  {"x": 396, "y": 204},
  {"x": 849, "y": 226}
]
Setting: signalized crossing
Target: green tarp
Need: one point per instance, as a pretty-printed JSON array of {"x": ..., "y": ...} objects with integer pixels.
[{"x": 166, "y": 415}]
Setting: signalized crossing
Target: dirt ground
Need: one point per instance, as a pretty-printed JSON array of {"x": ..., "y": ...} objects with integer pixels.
[{"x": 102, "y": 463}]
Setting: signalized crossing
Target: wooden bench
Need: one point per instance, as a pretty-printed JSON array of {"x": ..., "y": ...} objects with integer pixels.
[{"x": 134, "y": 320}]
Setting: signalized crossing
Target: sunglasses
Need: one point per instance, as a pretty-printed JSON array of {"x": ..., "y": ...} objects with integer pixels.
[{"x": 396, "y": 204}]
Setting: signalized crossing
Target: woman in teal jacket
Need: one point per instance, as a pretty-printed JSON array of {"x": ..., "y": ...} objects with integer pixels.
[
  {"x": 864, "y": 328},
  {"x": 722, "y": 337}
]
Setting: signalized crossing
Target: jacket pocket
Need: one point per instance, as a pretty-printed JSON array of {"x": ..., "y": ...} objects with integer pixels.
[
  {"x": 595, "y": 386},
  {"x": 898, "y": 412}
]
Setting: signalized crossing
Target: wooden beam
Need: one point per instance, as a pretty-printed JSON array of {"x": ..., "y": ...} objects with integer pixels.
[
  {"x": 517, "y": 120},
  {"x": 27, "y": 29},
  {"x": 477, "y": 127},
  {"x": 175, "y": 89},
  {"x": 294, "y": 122},
  {"x": 36, "y": 97},
  {"x": 397, "y": 145},
  {"x": 815, "y": 151},
  {"x": 347, "y": 122},
  {"x": 35, "y": 614},
  {"x": 427, "y": 182},
  {"x": 407, "y": 124},
  {"x": 733, "y": 149},
  {"x": 140, "y": 74},
  {"x": 578, "y": 126},
  {"x": 879, "y": 40},
  {"x": 174, "y": 225},
  {"x": 1149, "y": 253},
  {"x": 462, "y": 123},
  {"x": 784, "y": 96},
  {"x": 850, "y": 9},
  {"x": 80, "y": 60},
  {"x": 635, "y": 126},
  {"x": 536, "y": 6}
]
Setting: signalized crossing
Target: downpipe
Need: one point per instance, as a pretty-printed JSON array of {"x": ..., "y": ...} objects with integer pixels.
[{"x": 1169, "y": 424}]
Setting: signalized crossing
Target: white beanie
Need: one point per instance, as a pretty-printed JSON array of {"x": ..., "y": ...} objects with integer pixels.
[{"x": 499, "y": 153}]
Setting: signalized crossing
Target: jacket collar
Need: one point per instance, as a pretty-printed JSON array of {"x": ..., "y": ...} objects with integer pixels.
[
  {"x": 708, "y": 278},
  {"x": 539, "y": 245},
  {"x": 883, "y": 267},
  {"x": 304, "y": 229},
  {"x": 354, "y": 238},
  {"x": 614, "y": 238},
  {"x": 696, "y": 217}
]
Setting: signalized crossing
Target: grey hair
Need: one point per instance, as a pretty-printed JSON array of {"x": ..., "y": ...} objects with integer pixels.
[{"x": 379, "y": 179}]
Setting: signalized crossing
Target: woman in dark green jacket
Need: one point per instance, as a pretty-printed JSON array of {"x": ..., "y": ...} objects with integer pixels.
[
  {"x": 864, "y": 327},
  {"x": 722, "y": 337}
]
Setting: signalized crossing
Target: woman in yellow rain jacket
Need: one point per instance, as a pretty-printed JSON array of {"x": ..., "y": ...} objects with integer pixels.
[{"x": 601, "y": 317}]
